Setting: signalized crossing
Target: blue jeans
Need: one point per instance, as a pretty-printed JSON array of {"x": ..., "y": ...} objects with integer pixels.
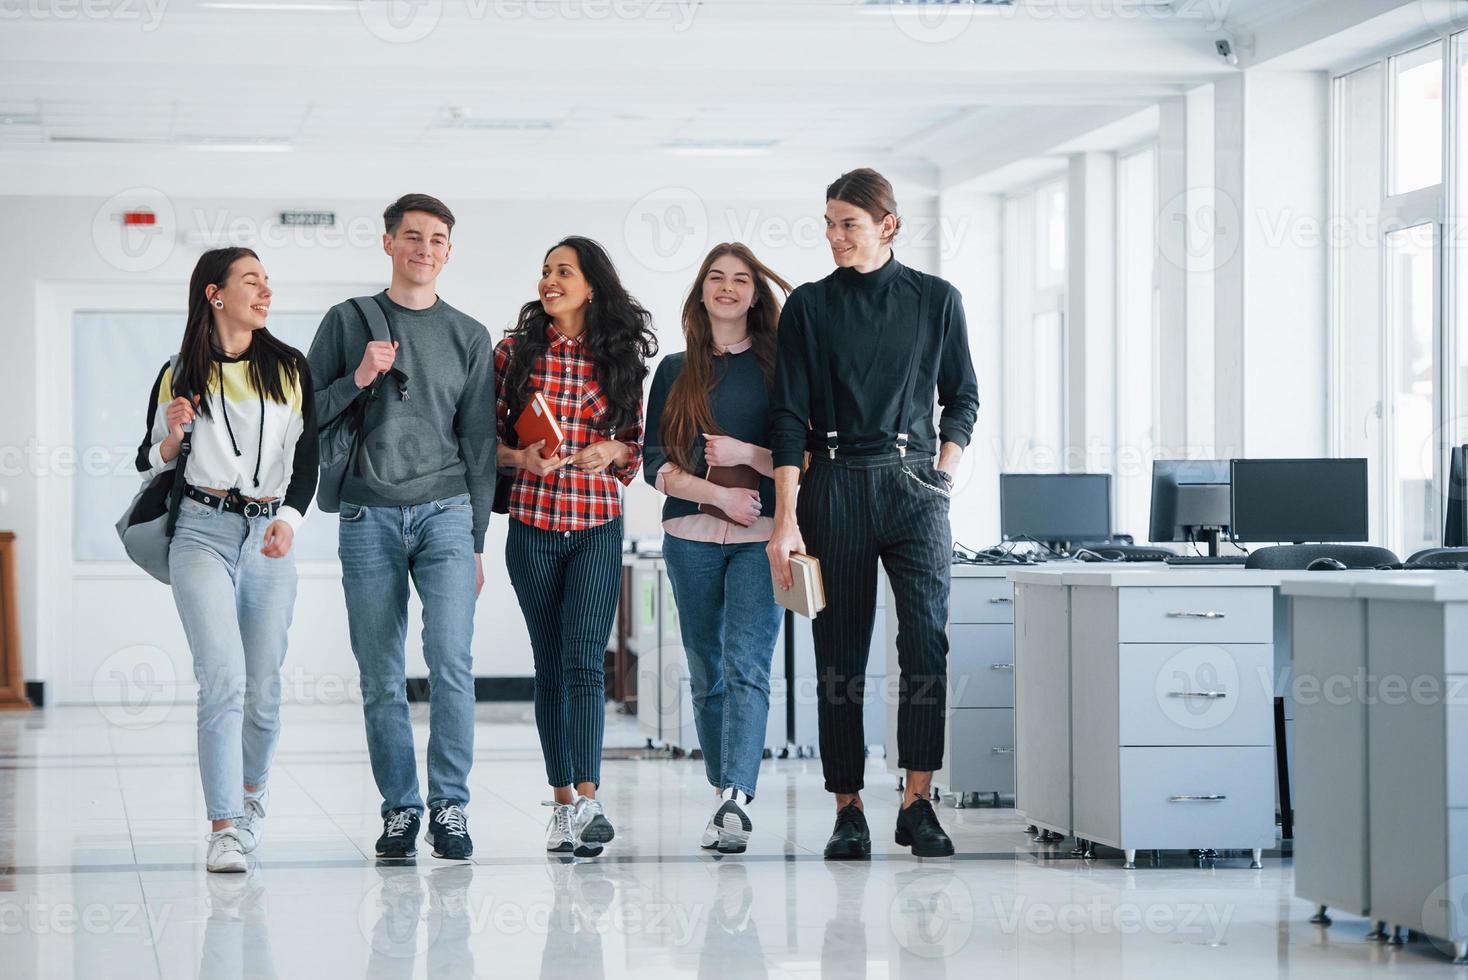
[
  {"x": 235, "y": 605},
  {"x": 729, "y": 621},
  {"x": 567, "y": 583},
  {"x": 380, "y": 548}
]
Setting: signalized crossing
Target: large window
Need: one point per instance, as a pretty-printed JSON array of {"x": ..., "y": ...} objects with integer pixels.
[
  {"x": 1136, "y": 336},
  {"x": 1033, "y": 408},
  {"x": 1392, "y": 397}
]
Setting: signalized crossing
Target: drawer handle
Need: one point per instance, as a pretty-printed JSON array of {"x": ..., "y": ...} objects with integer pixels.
[
  {"x": 998, "y": 599},
  {"x": 1002, "y": 750},
  {"x": 1197, "y": 799},
  {"x": 1196, "y": 615},
  {"x": 1197, "y": 694},
  {"x": 1001, "y": 666}
]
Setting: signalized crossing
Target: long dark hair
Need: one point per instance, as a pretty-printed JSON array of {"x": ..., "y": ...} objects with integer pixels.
[
  {"x": 687, "y": 412},
  {"x": 619, "y": 338},
  {"x": 274, "y": 365}
]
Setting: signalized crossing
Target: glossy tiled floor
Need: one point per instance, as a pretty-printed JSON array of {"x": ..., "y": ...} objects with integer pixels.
[{"x": 101, "y": 875}]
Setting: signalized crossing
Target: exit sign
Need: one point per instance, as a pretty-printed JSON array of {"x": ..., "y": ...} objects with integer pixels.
[{"x": 314, "y": 218}]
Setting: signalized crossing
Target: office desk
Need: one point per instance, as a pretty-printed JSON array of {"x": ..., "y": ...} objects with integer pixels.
[
  {"x": 1144, "y": 699},
  {"x": 1417, "y": 752},
  {"x": 979, "y": 754},
  {"x": 1332, "y": 790}
]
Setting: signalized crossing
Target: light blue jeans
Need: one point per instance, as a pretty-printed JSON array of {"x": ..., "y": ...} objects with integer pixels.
[
  {"x": 235, "y": 605},
  {"x": 729, "y": 621},
  {"x": 380, "y": 549}
]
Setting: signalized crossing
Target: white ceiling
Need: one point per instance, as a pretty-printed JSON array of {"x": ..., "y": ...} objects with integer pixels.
[{"x": 517, "y": 89}]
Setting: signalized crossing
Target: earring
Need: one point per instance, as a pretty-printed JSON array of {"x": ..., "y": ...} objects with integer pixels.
[{"x": 219, "y": 304}]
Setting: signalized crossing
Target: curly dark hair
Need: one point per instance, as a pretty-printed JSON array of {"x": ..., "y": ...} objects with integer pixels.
[{"x": 619, "y": 337}]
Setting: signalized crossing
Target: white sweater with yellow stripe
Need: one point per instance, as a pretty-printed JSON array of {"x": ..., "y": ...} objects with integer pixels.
[{"x": 249, "y": 442}]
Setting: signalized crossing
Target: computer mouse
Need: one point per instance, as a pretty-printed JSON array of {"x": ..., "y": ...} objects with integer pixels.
[{"x": 1326, "y": 565}]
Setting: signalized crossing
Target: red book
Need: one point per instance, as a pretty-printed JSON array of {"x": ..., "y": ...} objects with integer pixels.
[
  {"x": 537, "y": 422},
  {"x": 746, "y": 477}
]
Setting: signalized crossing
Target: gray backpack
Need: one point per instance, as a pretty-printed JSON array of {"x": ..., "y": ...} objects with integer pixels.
[
  {"x": 146, "y": 527},
  {"x": 338, "y": 440}
]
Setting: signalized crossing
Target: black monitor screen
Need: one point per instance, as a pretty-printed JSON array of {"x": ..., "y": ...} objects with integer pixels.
[
  {"x": 1055, "y": 506},
  {"x": 1188, "y": 495},
  {"x": 1307, "y": 500},
  {"x": 1455, "y": 528}
]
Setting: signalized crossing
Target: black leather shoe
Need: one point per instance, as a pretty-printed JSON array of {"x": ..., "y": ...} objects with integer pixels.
[
  {"x": 918, "y": 828},
  {"x": 851, "y": 840}
]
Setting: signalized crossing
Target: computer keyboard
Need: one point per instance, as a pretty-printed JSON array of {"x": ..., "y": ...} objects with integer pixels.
[{"x": 1207, "y": 559}]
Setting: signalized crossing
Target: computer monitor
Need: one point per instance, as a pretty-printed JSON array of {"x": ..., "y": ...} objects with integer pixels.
[
  {"x": 1455, "y": 527},
  {"x": 1055, "y": 508},
  {"x": 1190, "y": 500},
  {"x": 1299, "y": 500}
]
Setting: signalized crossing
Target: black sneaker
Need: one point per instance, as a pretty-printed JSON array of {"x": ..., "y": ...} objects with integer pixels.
[
  {"x": 918, "y": 828},
  {"x": 399, "y": 834},
  {"x": 851, "y": 840},
  {"x": 448, "y": 833}
]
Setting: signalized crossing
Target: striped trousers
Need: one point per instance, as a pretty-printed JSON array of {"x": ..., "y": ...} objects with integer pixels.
[
  {"x": 567, "y": 584},
  {"x": 853, "y": 512}
]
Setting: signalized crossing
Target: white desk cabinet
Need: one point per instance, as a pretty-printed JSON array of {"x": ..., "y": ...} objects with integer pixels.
[
  {"x": 1417, "y": 723},
  {"x": 1042, "y": 699},
  {"x": 979, "y": 745},
  {"x": 1332, "y": 782}
]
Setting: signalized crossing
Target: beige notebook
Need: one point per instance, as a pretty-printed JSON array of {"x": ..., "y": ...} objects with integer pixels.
[{"x": 807, "y": 593}]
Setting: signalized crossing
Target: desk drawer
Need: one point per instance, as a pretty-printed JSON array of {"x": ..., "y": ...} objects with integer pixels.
[
  {"x": 981, "y": 600},
  {"x": 980, "y": 751},
  {"x": 1196, "y": 615},
  {"x": 1196, "y": 694},
  {"x": 981, "y": 665},
  {"x": 1197, "y": 797}
]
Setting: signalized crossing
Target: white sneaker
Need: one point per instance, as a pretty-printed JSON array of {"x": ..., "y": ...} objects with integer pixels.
[
  {"x": 252, "y": 825},
  {"x": 734, "y": 826},
  {"x": 226, "y": 851},
  {"x": 593, "y": 829},
  {"x": 710, "y": 839},
  {"x": 560, "y": 836}
]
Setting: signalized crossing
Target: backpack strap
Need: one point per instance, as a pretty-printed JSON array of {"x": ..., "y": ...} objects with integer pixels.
[{"x": 176, "y": 492}]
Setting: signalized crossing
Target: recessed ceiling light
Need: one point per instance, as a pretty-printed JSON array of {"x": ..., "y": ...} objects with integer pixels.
[
  {"x": 279, "y": 6},
  {"x": 700, "y": 148},
  {"x": 262, "y": 146}
]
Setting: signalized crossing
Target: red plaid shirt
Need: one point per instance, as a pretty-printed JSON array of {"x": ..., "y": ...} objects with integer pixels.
[{"x": 569, "y": 499}]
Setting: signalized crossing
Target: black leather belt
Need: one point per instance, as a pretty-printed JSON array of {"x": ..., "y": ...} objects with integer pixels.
[{"x": 233, "y": 504}]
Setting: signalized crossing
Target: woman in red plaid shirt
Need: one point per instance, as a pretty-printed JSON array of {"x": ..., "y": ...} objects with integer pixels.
[{"x": 584, "y": 345}]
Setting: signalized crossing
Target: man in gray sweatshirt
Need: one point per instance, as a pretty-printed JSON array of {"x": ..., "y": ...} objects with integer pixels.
[{"x": 415, "y": 506}]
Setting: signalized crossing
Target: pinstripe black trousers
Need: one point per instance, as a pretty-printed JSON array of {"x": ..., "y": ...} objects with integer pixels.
[
  {"x": 567, "y": 584},
  {"x": 853, "y": 512}
]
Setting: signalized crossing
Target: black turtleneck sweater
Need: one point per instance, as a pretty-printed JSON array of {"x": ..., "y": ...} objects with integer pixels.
[{"x": 866, "y": 324}]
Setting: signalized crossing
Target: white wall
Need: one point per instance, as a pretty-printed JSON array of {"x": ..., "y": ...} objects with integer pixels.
[{"x": 57, "y": 245}]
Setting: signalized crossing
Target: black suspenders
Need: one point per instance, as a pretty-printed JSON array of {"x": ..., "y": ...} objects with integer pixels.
[{"x": 829, "y": 387}]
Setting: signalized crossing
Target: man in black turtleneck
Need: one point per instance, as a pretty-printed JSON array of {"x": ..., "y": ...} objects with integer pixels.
[{"x": 862, "y": 353}]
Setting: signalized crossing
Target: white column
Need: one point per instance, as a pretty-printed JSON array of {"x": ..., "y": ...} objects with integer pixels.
[
  {"x": 971, "y": 226},
  {"x": 1271, "y": 131},
  {"x": 1187, "y": 221},
  {"x": 1090, "y": 337}
]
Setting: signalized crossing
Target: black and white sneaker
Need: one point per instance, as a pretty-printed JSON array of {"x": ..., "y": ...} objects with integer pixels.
[
  {"x": 734, "y": 827},
  {"x": 399, "y": 834},
  {"x": 449, "y": 833}
]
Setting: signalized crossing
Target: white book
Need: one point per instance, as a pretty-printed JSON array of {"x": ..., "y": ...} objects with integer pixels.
[{"x": 807, "y": 593}]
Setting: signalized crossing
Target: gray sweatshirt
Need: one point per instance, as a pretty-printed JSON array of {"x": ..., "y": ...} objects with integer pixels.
[{"x": 439, "y": 441}]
